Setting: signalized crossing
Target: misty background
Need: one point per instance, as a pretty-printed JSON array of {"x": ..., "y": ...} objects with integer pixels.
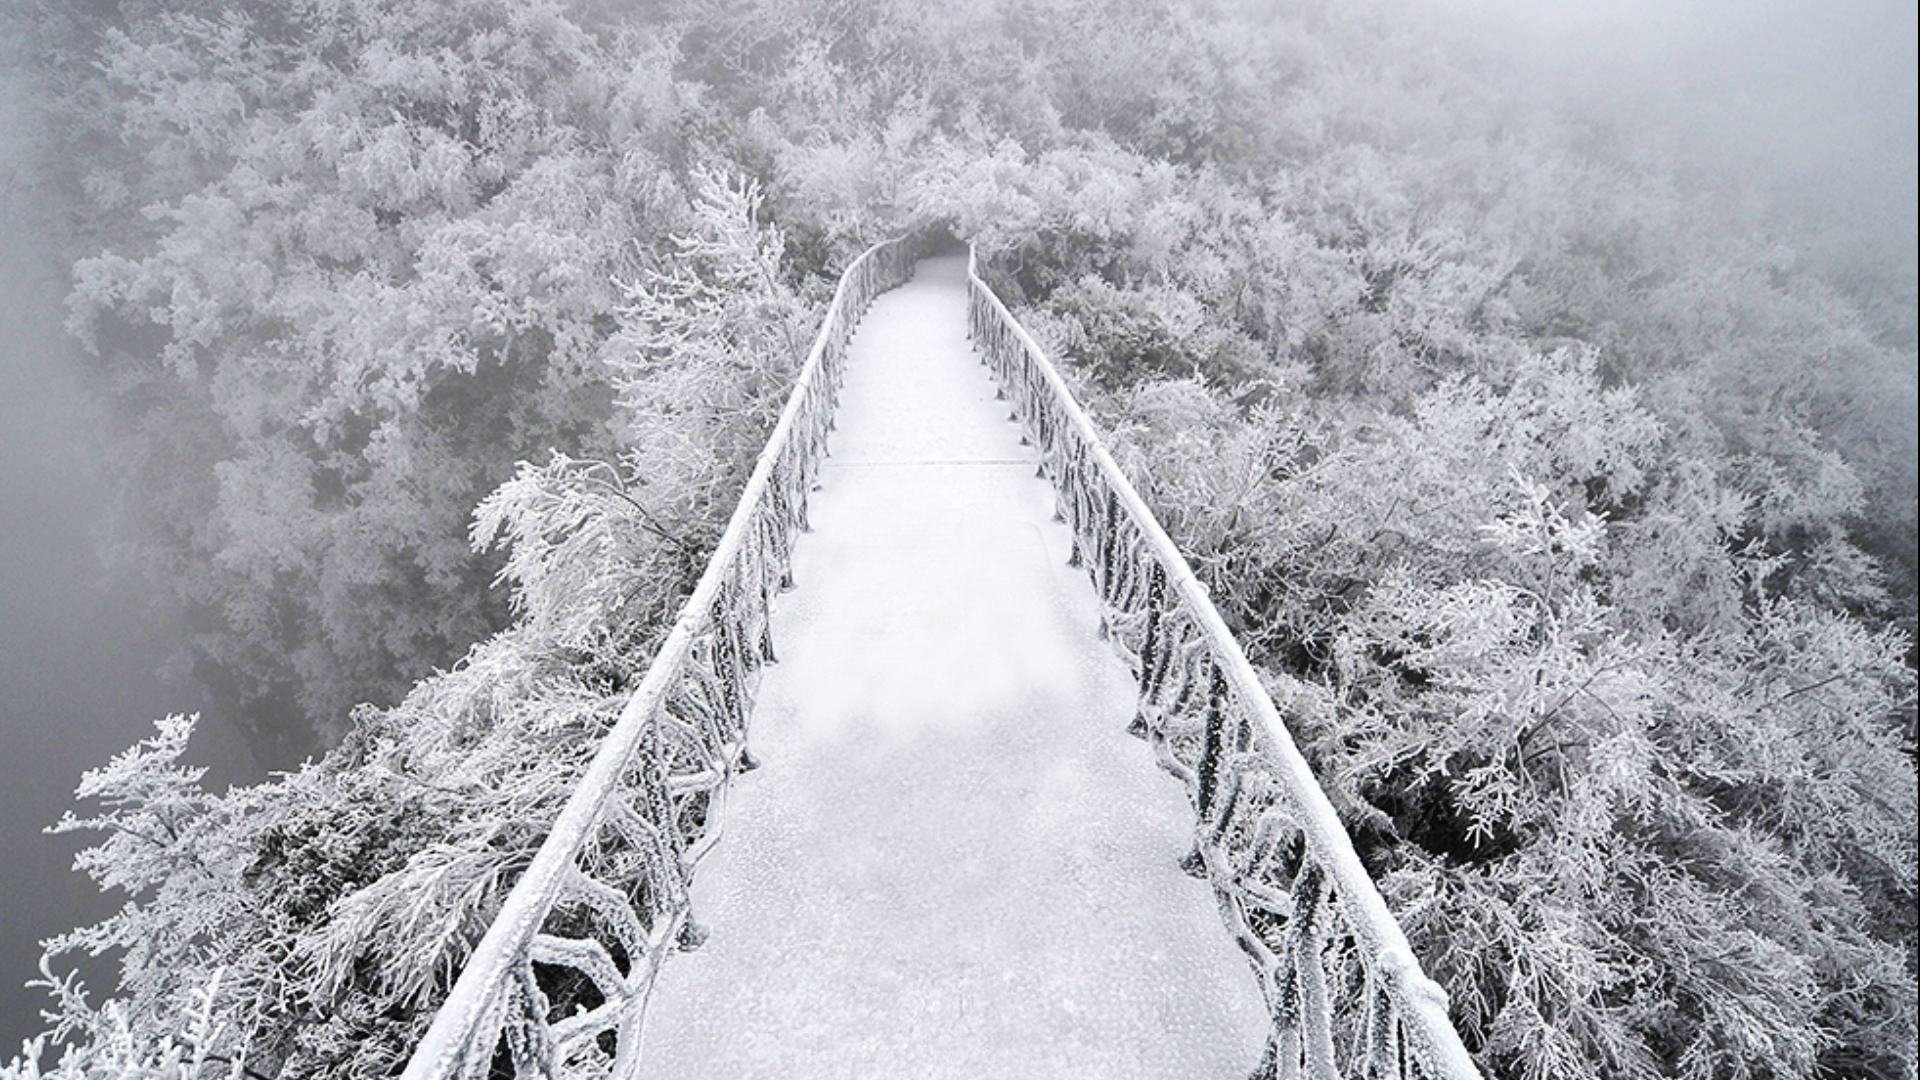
[
  {"x": 81, "y": 652},
  {"x": 1810, "y": 105},
  {"x": 1806, "y": 106}
]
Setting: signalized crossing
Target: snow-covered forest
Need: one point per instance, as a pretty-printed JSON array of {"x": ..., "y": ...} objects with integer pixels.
[{"x": 1562, "y": 459}]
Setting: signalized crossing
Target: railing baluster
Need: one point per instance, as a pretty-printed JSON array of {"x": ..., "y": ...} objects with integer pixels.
[
  {"x": 1210, "y": 747},
  {"x": 1149, "y": 657},
  {"x": 1309, "y": 947}
]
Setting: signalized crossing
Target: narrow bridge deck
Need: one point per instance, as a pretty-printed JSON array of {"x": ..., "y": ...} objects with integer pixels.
[{"x": 953, "y": 862}]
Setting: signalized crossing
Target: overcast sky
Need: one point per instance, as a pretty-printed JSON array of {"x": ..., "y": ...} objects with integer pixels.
[{"x": 1813, "y": 98}]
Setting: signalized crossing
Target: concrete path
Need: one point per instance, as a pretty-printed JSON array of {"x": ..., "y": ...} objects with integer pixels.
[{"x": 953, "y": 862}]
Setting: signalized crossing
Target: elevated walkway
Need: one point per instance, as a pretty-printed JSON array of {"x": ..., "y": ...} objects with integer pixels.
[{"x": 953, "y": 862}]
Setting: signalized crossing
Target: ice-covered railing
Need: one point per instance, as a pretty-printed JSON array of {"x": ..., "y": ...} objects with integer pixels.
[
  {"x": 605, "y": 897},
  {"x": 1346, "y": 995}
]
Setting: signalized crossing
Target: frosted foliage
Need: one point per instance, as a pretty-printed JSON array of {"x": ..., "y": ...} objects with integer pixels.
[
  {"x": 199, "y": 1049},
  {"x": 358, "y": 883},
  {"x": 335, "y": 905},
  {"x": 373, "y": 282},
  {"x": 710, "y": 339},
  {"x": 1596, "y": 746},
  {"x": 580, "y": 548},
  {"x": 705, "y": 350}
]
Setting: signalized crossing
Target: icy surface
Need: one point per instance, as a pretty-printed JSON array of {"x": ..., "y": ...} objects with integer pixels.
[{"x": 953, "y": 861}]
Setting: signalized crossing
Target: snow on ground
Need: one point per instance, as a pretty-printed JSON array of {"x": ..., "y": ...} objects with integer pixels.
[{"x": 953, "y": 863}]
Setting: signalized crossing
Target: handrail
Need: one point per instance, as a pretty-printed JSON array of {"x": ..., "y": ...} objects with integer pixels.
[
  {"x": 1346, "y": 995},
  {"x": 609, "y": 883}
]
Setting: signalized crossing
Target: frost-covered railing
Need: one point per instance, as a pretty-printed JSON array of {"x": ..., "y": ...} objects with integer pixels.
[
  {"x": 1346, "y": 995},
  {"x": 605, "y": 897}
]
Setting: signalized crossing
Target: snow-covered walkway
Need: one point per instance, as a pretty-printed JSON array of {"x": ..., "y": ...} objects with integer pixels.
[{"x": 953, "y": 861}]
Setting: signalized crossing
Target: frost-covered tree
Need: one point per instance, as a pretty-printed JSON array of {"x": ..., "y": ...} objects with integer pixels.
[
  {"x": 349, "y": 262},
  {"x": 706, "y": 351},
  {"x": 307, "y": 927},
  {"x": 1650, "y": 812}
]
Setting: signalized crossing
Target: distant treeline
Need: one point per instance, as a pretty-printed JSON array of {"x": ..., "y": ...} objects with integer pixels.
[{"x": 1570, "y": 500}]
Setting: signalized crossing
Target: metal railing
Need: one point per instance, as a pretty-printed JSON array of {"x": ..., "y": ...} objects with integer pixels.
[
  {"x": 1346, "y": 995},
  {"x": 605, "y": 897}
]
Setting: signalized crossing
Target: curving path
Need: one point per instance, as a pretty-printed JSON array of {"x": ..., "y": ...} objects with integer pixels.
[{"x": 953, "y": 862}]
